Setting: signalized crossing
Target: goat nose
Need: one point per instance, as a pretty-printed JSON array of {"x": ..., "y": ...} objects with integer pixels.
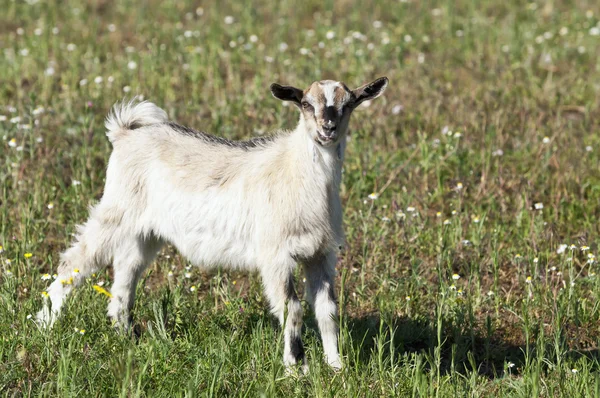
[{"x": 329, "y": 127}]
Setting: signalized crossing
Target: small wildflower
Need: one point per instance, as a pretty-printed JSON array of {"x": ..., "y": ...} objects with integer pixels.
[
  {"x": 452, "y": 287},
  {"x": 536, "y": 260},
  {"x": 585, "y": 248},
  {"x": 170, "y": 274},
  {"x": 228, "y": 20},
  {"x": 46, "y": 277},
  {"x": 29, "y": 316},
  {"x": 410, "y": 209},
  {"x": 132, "y": 65},
  {"x": 50, "y": 206},
  {"x": 455, "y": 277},
  {"x": 102, "y": 290},
  {"x": 1, "y": 250},
  {"x": 400, "y": 215},
  {"x": 193, "y": 288},
  {"x": 460, "y": 292},
  {"x": 545, "y": 140},
  {"x": 385, "y": 219},
  {"x": 188, "y": 275},
  {"x": 45, "y": 295},
  {"x": 528, "y": 280},
  {"x": 83, "y": 82},
  {"x": 373, "y": 196},
  {"x": 12, "y": 143},
  {"x": 561, "y": 248},
  {"x": 438, "y": 214},
  {"x": 454, "y": 212},
  {"x": 28, "y": 255},
  {"x": 459, "y": 186},
  {"x": 510, "y": 365},
  {"x": 447, "y": 222},
  {"x": 476, "y": 220},
  {"x": 75, "y": 182},
  {"x": 538, "y": 206},
  {"x": 574, "y": 371},
  {"x": 234, "y": 283},
  {"x": 330, "y": 35},
  {"x": 490, "y": 293},
  {"x": 572, "y": 247},
  {"x": 75, "y": 271},
  {"x": 82, "y": 331}
]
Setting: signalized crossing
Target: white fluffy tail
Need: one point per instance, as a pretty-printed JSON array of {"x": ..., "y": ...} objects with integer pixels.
[{"x": 131, "y": 115}]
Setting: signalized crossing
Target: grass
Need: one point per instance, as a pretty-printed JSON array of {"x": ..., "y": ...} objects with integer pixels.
[{"x": 482, "y": 157}]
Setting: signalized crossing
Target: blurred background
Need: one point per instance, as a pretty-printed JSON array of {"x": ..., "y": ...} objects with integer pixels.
[{"x": 471, "y": 192}]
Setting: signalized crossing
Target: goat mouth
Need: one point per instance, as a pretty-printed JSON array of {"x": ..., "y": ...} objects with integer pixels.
[{"x": 325, "y": 139}]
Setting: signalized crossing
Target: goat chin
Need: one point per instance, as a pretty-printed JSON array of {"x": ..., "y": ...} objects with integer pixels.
[{"x": 263, "y": 204}]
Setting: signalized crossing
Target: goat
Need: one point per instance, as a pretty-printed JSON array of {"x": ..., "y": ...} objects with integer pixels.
[{"x": 266, "y": 204}]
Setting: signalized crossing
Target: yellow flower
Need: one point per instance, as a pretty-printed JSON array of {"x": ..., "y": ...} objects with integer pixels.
[
  {"x": 234, "y": 282},
  {"x": 82, "y": 331},
  {"x": 76, "y": 271},
  {"x": 45, "y": 295},
  {"x": 102, "y": 290},
  {"x": 407, "y": 298},
  {"x": 27, "y": 255},
  {"x": 528, "y": 280}
]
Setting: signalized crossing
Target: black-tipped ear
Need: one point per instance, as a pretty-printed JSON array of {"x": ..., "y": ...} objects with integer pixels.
[
  {"x": 370, "y": 90},
  {"x": 287, "y": 93}
]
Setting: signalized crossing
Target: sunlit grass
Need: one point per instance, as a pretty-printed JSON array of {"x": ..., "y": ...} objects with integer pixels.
[{"x": 471, "y": 192}]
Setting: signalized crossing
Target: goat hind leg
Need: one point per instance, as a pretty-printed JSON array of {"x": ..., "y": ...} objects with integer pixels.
[{"x": 132, "y": 256}]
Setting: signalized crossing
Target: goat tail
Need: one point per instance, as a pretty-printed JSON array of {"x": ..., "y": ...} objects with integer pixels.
[{"x": 131, "y": 115}]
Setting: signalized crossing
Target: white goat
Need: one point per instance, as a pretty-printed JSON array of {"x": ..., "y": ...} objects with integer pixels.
[{"x": 263, "y": 204}]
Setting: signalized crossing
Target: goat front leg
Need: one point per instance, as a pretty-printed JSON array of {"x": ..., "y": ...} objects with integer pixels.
[
  {"x": 279, "y": 288},
  {"x": 320, "y": 277}
]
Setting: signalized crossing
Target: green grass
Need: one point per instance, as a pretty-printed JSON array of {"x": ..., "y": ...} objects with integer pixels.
[{"x": 520, "y": 84}]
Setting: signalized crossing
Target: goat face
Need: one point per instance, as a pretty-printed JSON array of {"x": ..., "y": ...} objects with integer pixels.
[{"x": 326, "y": 106}]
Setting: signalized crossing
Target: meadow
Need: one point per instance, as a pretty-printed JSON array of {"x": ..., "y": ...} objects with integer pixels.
[{"x": 471, "y": 193}]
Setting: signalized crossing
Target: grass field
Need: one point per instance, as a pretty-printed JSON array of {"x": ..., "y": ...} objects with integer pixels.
[{"x": 471, "y": 192}]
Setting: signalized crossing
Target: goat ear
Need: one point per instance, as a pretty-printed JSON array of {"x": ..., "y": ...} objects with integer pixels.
[
  {"x": 370, "y": 90},
  {"x": 287, "y": 93}
]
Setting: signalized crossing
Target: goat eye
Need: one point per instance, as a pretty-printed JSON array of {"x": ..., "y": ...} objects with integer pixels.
[{"x": 306, "y": 105}]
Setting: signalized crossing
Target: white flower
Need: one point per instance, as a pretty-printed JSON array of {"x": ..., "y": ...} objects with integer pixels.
[
  {"x": 46, "y": 277},
  {"x": 561, "y": 248},
  {"x": 498, "y": 152},
  {"x": 253, "y": 38},
  {"x": 373, "y": 196},
  {"x": 132, "y": 65},
  {"x": 15, "y": 119},
  {"x": 71, "y": 47},
  {"x": 574, "y": 371},
  {"x": 589, "y": 148},
  {"x": 545, "y": 140},
  {"x": 410, "y": 209},
  {"x": 397, "y": 109},
  {"x": 538, "y": 206},
  {"x": 98, "y": 80},
  {"x": 228, "y": 20},
  {"x": 421, "y": 58},
  {"x": 12, "y": 143},
  {"x": 407, "y": 38},
  {"x": 126, "y": 89},
  {"x": 330, "y": 34},
  {"x": 188, "y": 275},
  {"x": 3, "y": 118},
  {"x": 510, "y": 365},
  {"x": 455, "y": 277},
  {"x": 112, "y": 27},
  {"x": 385, "y": 219},
  {"x": 24, "y": 52},
  {"x": 83, "y": 82},
  {"x": 595, "y": 31},
  {"x": 49, "y": 71},
  {"x": 283, "y": 46},
  {"x": 75, "y": 182}
]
